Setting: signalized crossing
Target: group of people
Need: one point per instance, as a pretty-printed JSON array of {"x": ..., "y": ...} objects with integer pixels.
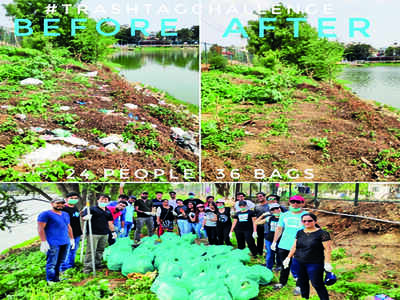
[{"x": 293, "y": 241}]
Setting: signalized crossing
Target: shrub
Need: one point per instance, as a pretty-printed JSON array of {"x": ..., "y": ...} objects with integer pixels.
[{"x": 217, "y": 62}]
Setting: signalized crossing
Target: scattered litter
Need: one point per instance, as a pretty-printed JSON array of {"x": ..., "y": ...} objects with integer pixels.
[
  {"x": 65, "y": 108},
  {"x": 154, "y": 125},
  {"x": 70, "y": 140},
  {"x": 20, "y": 131},
  {"x": 131, "y": 116},
  {"x": 162, "y": 102},
  {"x": 111, "y": 139},
  {"x": 49, "y": 152},
  {"x": 131, "y": 106},
  {"x": 38, "y": 129},
  {"x": 93, "y": 147},
  {"x": 111, "y": 147},
  {"x": 21, "y": 117},
  {"x": 129, "y": 147},
  {"x": 153, "y": 105},
  {"x": 89, "y": 74},
  {"x": 31, "y": 81},
  {"x": 58, "y": 132},
  {"x": 106, "y": 111},
  {"x": 105, "y": 99},
  {"x": 185, "y": 139},
  {"x": 7, "y": 106},
  {"x": 80, "y": 102}
]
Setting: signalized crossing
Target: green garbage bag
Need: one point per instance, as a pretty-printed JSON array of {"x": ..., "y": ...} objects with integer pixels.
[
  {"x": 137, "y": 264},
  {"x": 221, "y": 293},
  {"x": 242, "y": 288},
  {"x": 115, "y": 260},
  {"x": 241, "y": 255},
  {"x": 189, "y": 238},
  {"x": 171, "y": 269},
  {"x": 264, "y": 274},
  {"x": 169, "y": 290}
]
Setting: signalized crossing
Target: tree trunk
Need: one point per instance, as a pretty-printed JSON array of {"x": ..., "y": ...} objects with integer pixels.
[{"x": 223, "y": 189}]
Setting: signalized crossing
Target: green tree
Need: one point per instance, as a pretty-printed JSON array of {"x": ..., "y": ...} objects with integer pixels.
[
  {"x": 392, "y": 51},
  {"x": 87, "y": 44},
  {"x": 357, "y": 52},
  {"x": 320, "y": 60},
  {"x": 281, "y": 38}
]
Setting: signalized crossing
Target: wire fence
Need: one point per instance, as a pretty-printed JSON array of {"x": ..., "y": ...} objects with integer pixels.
[{"x": 234, "y": 54}]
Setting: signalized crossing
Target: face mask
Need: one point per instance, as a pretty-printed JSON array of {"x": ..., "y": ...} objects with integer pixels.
[
  {"x": 144, "y": 197},
  {"x": 276, "y": 214},
  {"x": 242, "y": 208},
  {"x": 191, "y": 197},
  {"x": 73, "y": 201},
  {"x": 294, "y": 209},
  {"x": 102, "y": 204},
  {"x": 220, "y": 206}
]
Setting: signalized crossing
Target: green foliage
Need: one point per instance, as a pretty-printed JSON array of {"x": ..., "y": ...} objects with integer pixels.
[
  {"x": 314, "y": 56},
  {"x": 36, "y": 104},
  {"x": 258, "y": 95},
  {"x": 87, "y": 45},
  {"x": 320, "y": 143},
  {"x": 9, "y": 125},
  {"x": 183, "y": 164},
  {"x": 214, "y": 136},
  {"x": 338, "y": 253},
  {"x": 66, "y": 119},
  {"x": 388, "y": 161},
  {"x": 166, "y": 116},
  {"x": 357, "y": 51},
  {"x": 20, "y": 145},
  {"x": 279, "y": 126},
  {"x": 217, "y": 61},
  {"x": 143, "y": 135},
  {"x": 320, "y": 59}
]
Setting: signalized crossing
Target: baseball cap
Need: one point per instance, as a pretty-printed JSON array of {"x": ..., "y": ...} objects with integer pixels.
[
  {"x": 274, "y": 205},
  {"x": 172, "y": 192},
  {"x": 297, "y": 197},
  {"x": 220, "y": 201},
  {"x": 57, "y": 200},
  {"x": 191, "y": 194},
  {"x": 240, "y": 193}
]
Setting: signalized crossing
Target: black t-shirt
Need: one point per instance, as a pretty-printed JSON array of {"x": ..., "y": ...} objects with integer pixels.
[
  {"x": 244, "y": 223},
  {"x": 179, "y": 212},
  {"x": 156, "y": 202},
  {"x": 143, "y": 206},
  {"x": 270, "y": 228},
  {"x": 75, "y": 220},
  {"x": 224, "y": 218},
  {"x": 166, "y": 214},
  {"x": 309, "y": 247},
  {"x": 99, "y": 220},
  {"x": 192, "y": 212}
]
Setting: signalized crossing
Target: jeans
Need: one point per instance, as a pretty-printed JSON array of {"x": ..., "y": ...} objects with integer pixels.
[
  {"x": 200, "y": 233},
  {"x": 315, "y": 274},
  {"x": 127, "y": 229},
  {"x": 99, "y": 243},
  {"x": 271, "y": 257},
  {"x": 293, "y": 266},
  {"x": 184, "y": 226},
  {"x": 211, "y": 234},
  {"x": 246, "y": 236},
  {"x": 70, "y": 260},
  {"x": 139, "y": 225},
  {"x": 55, "y": 257},
  {"x": 260, "y": 240},
  {"x": 223, "y": 234}
]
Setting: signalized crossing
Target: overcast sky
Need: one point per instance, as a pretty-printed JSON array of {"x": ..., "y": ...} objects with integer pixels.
[
  {"x": 382, "y": 14},
  {"x": 186, "y": 11},
  {"x": 216, "y": 15}
]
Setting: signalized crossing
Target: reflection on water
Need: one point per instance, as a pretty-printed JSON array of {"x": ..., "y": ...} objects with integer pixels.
[
  {"x": 380, "y": 83},
  {"x": 175, "y": 71}
]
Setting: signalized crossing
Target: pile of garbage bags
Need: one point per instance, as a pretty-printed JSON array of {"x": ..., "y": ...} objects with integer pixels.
[{"x": 187, "y": 270}]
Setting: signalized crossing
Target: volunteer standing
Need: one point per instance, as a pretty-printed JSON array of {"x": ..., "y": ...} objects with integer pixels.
[
  {"x": 312, "y": 251},
  {"x": 56, "y": 237}
]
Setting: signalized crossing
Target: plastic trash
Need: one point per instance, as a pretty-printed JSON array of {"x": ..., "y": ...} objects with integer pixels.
[{"x": 61, "y": 132}]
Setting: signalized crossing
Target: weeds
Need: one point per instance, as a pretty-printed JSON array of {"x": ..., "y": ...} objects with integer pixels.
[
  {"x": 388, "y": 161},
  {"x": 142, "y": 134}
]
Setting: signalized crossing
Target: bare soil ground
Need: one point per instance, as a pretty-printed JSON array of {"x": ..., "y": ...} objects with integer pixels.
[{"x": 357, "y": 132}]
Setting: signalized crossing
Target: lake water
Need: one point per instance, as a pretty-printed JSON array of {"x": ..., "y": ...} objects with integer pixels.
[
  {"x": 174, "y": 70},
  {"x": 380, "y": 83}
]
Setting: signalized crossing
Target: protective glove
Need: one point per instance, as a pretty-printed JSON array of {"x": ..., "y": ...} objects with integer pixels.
[
  {"x": 328, "y": 267},
  {"x": 114, "y": 235},
  {"x": 44, "y": 247},
  {"x": 87, "y": 217},
  {"x": 72, "y": 243},
  {"x": 273, "y": 246},
  {"x": 286, "y": 262},
  {"x": 265, "y": 214},
  {"x": 147, "y": 213},
  {"x": 230, "y": 235},
  {"x": 121, "y": 230},
  {"x": 174, "y": 213},
  {"x": 255, "y": 235}
]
